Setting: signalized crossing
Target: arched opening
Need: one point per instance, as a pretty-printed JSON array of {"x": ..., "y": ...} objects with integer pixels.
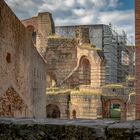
[
  {"x": 8, "y": 58},
  {"x": 84, "y": 71},
  {"x": 74, "y": 114},
  {"x": 115, "y": 111},
  {"x": 114, "y": 108},
  {"x": 32, "y": 29},
  {"x": 52, "y": 111},
  {"x": 51, "y": 80}
]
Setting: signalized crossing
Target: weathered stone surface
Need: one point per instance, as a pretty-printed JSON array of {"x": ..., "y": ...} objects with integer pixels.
[
  {"x": 104, "y": 38},
  {"x": 70, "y": 61},
  {"x": 54, "y": 129},
  {"x": 120, "y": 131},
  {"x": 21, "y": 68},
  {"x": 137, "y": 50}
]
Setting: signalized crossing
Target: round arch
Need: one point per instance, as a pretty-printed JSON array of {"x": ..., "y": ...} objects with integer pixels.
[
  {"x": 114, "y": 108},
  {"x": 52, "y": 111},
  {"x": 84, "y": 71},
  {"x": 32, "y": 29}
]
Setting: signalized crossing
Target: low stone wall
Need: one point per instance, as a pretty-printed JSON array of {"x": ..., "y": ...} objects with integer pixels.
[{"x": 52, "y": 129}]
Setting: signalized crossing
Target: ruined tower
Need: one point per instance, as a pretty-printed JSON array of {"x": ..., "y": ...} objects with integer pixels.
[
  {"x": 43, "y": 26},
  {"x": 45, "y": 29},
  {"x": 82, "y": 35}
]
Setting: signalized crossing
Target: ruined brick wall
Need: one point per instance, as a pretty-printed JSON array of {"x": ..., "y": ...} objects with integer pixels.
[
  {"x": 38, "y": 83},
  {"x": 97, "y": 66},
  {"x": 31, "y": 22},
  {"x": 12, "y": 105},
  {"x": 107, "y": 106},
  {"x": 44, "y": 26},
  {"x": 85, "y": 106},
  {"x": 103, "y": 38},
  {"x": 65, "y": 61},
  {"x": 17, "y": 58},
  {"x": 131, "y": 50},
  {"x": 74, "y": 106},
  {"x": 61, "y": 101},
  {"x": 122, "y": 96},
  {"x": 131, "y": 107},
  {"x": 137, "y": 72},
  {"x": 61, "y": 57}
]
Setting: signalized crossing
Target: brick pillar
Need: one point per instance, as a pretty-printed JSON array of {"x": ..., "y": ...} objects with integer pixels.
[{"x": 137, "y": 73}]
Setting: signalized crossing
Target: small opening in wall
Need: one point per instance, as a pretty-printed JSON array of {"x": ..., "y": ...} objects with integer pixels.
[
  {"x": 74, "y": 114},
  {"x": 8, "y": 58},
  {"x": 113, "y": 90},
  {"x": 0, "y": 12}
]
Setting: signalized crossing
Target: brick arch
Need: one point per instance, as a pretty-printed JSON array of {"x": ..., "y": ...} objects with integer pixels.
[
  {"x": 52, "y": 111},
  {"x": 107, "y": 105},
  {"x": 12, "y": 105},
  {"x": 30, "y": 28},
  {"x": 84, "y": 71}
]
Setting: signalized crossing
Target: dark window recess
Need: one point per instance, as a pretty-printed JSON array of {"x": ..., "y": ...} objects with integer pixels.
[
  {"x": 0, "y": 13},
  {"x": 114, "y": 90},
  {"x": 74, "y": 114},
  {"x": 8, "y": 58},
  {"x": 116, "y": 106},
  {"x": 34, "y": 37}
]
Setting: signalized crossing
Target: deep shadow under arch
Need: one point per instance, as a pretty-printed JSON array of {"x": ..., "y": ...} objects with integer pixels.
[
  {"x": 52, "y": 111},
  {"x": 84, "y": 71}
]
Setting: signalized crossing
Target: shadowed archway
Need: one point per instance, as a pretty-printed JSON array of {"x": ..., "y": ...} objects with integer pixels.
[
  {"x": 52, "y": 111},
  {"x": 84, "y": 71}
]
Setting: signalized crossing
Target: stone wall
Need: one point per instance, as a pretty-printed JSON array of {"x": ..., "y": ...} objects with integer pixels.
[
  {"x": 69, "y": 129},
  {"x": 44, "y": 26},
  {"x": 85, "y": 106},
  {"x": 131, "y": 51},
  {"x": 64, "y": 56},
  {"x": 17, "y": 55},
  {"x": 137, "y": 72},
  {"x": 71, "y": 65},
  {"x": 61, "y": 101},
  {"x": 61, "y": 57},
  {"x": 72, "y": 105},
  {"x": 118, "y": 95},
  {"x": 104, "y": 38},
  {"x": 38, "y": 83}
]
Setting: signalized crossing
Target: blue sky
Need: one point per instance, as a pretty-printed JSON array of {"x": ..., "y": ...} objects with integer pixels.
[
  {"x": 127, "y": 4},
  {"x": 74, "y": 12}
]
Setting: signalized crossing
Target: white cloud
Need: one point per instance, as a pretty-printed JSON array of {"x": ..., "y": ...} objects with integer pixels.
[
  {"x": 71, "y": 12},
  {"x": 121, "y": 20}
]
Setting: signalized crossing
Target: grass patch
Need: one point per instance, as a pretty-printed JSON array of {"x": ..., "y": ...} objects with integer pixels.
[
  {"x": 130, "y": 78},
  {"x": 116, "y": 86},
  {"x": 89, "y": 47},
  {"x": 87, "y": 91},
  {"x": 56, "y": 90}
]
